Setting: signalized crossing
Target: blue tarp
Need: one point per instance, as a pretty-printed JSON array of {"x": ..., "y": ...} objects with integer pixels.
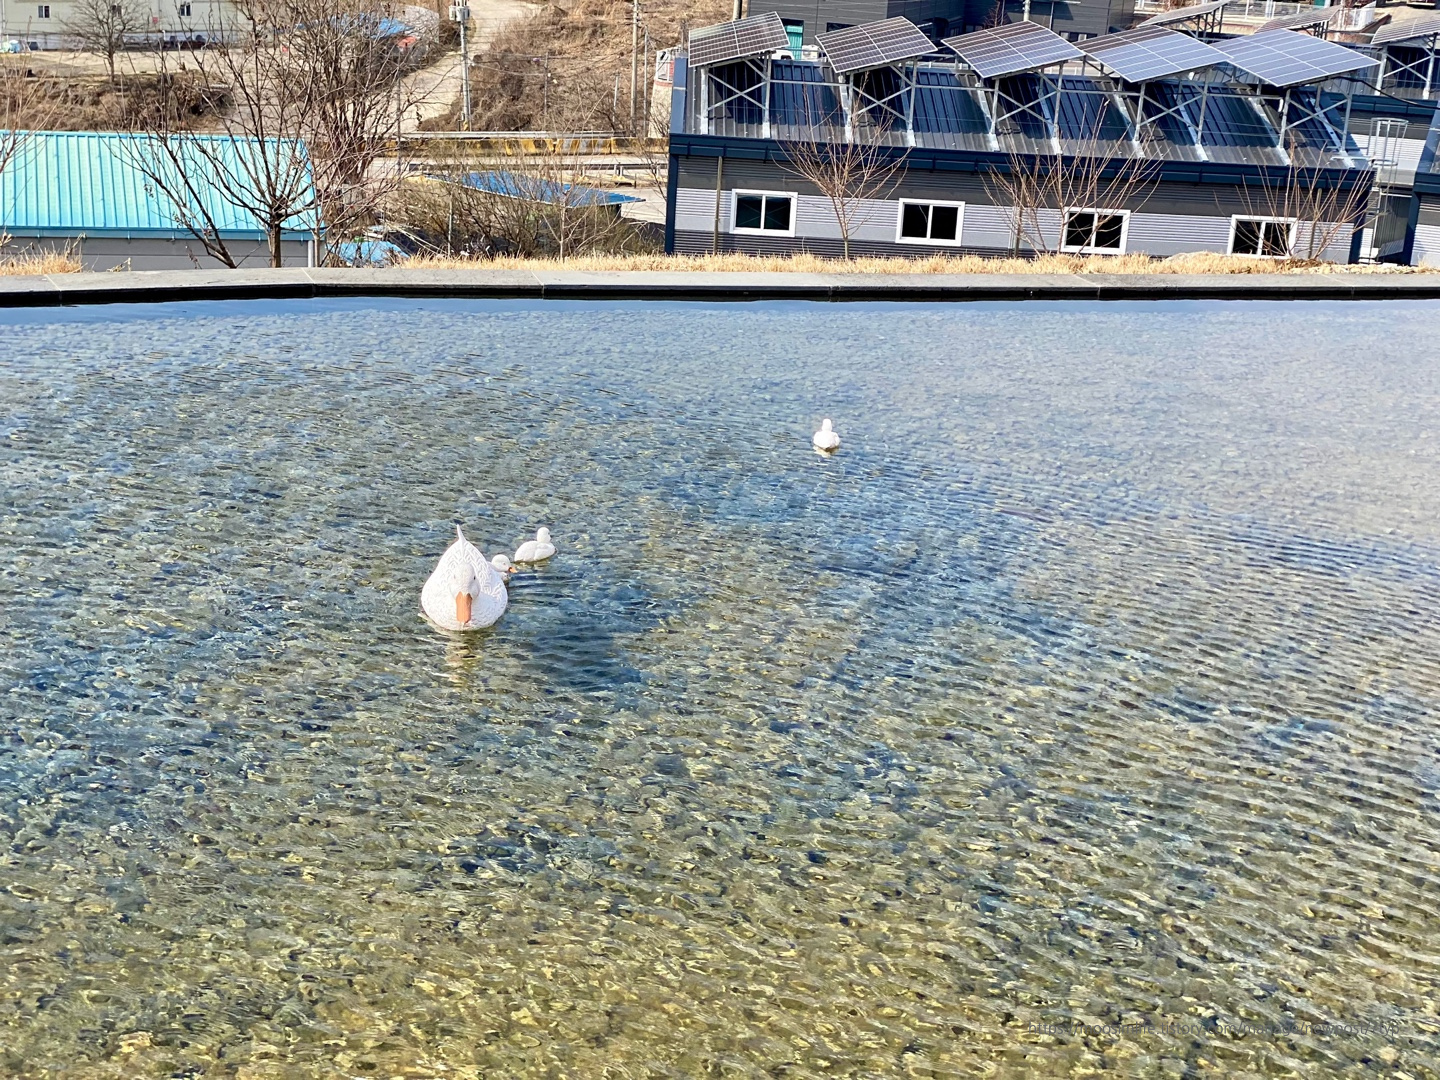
[{"x": 535, "y": 189}]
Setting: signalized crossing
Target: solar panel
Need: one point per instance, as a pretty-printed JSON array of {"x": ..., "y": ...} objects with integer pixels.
[
  {"x": 719, "y": 44},
  {"x": 873, "y": 45},
  {"x": 1423, "y": 27},
  {"x": 1184, "y": 14},
  {"x": 1285, "y": 58},
  {"x": 1301, "y": 20},
  {"x": 1151, "y": 52},
  {"x": 1012, "y": 48}
]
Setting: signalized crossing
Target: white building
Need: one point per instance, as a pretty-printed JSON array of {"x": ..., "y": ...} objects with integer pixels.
[{"x": 44, "y": 24}]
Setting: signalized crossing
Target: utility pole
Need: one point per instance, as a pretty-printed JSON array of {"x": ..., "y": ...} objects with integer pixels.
[
  {"x": 634, "y": 57},
  {"x": 738, "y": 10},
  {"x": 461, "y": 14},
  {"x": 645, "y": 89}
]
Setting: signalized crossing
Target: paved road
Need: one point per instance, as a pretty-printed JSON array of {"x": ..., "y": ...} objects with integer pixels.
[{"x": 433, "y": 89}]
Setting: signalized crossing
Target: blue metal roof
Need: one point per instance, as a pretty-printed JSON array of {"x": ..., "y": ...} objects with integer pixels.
[{"x": 64, "y": 183}]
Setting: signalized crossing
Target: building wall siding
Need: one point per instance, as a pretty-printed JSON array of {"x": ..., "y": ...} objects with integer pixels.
[
  {"x": 1163, "y": 197},
  {"x": 1406, "y": 156},
  {"x": 1427, "y": 246},
  {"x": 1160, "y": 227},
  {"x": 160, "y": 18},
  {"x": 1426, "y": 251},
  {"x": 817, "y": 15},
  {"x": 153, "y": 253}
]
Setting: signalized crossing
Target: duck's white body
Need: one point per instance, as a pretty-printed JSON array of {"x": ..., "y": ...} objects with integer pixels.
[
  {"x": 462, "y": 569},
  {"x": 825, "y": 438},
  {"x": 537, "y": 550}
]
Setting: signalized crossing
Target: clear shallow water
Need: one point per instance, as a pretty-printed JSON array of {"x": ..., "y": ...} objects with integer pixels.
[{"x": 1093, "y": 683}]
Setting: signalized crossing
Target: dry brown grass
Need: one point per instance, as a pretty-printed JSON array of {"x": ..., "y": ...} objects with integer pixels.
[
  {"x": 39, "y": 262},
  {"x": 1196, "y": 263},
  {"x": 93, "y": 103}
]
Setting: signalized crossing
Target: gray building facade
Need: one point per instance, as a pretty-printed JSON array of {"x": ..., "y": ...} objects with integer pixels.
[
  {"x": 804, "y": 19},
  {"x": 1165, "y": 166}
]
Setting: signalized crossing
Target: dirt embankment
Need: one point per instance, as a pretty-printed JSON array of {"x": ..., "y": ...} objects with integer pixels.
[
  {"x": 43, "y": 100},
  {"x": 568, "y": 68}
]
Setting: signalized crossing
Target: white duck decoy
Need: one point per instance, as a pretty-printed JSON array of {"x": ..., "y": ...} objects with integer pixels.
[
  {"x": 464, "y": 592},
  {"x": 826, "y": 439},
  {"x": 537, "y": 550}
]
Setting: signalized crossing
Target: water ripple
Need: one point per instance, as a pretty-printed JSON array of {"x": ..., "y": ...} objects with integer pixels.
[{"x": 1080, "y": 710}]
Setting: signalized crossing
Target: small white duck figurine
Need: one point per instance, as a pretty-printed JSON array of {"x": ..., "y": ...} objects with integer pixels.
[
  {"x": 537, "y": 550},
  {"x": 464, "y": 592},
  {"x": 825, "y": 439}
]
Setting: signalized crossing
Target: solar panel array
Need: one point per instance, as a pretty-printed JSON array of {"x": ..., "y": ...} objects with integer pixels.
[
  {"x": 1012, "y": 48},
  {"x": 1423, "y": 27},
  {"x": 1151, "y": 52},
  {"x": 1185, "y": 14},
  {"x": 755, "y": 36},
  {"x": 1301, "y": 20},
  {"x": 873, "y": 45},
  {"x": 1284, "y": 58}
]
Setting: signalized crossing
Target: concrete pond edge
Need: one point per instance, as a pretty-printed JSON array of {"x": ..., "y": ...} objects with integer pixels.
[{"x": 150, "y": 286}]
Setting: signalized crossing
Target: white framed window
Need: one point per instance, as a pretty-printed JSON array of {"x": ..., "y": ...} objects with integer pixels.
[
  {"x": 765, "y": 213},
  {"x": 1089, "y": 231},
  {"x": 1267, "y": 237},
  {"x": 42, "y": 11},
  {"x": 929, "y": 222},
  {"x": 183, "y": 10}
]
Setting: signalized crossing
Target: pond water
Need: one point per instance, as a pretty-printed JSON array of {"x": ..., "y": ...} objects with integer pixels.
[{"x": 1079, "y": 716}]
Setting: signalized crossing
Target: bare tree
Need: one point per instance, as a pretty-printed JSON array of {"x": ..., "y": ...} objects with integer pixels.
[
  {"x": 176, "y": 165},
  {"x": 1087, "y": 175},
  {"x": 316, "y": 95},
  {"x": 1301, "y": 217},
  {"x": 17, "y": 113},
  {"x": 848, "y": 174},
  {"x": 101, "y": 26},
  {"x": 22, "y": 113}
]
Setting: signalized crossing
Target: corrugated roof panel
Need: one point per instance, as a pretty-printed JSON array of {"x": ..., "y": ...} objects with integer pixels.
[
  {"x": 801, "y": 100},
  {"x": 90, "y": 182},
  {"x": 943, "y": 105},
  {"x": 1088, "y": 113}
]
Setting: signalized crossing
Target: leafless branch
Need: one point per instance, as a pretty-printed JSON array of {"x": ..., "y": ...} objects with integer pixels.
[
  {"x": 316, "y": 94},
  {"x": 1313, "y": 210},
  {"x": 1095, "y": 173},
  {"x": 849, "y": 174},
  {"x": 101, "y": 26}
]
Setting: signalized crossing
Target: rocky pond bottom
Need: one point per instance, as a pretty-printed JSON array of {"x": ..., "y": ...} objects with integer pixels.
[{"x": 1080, "y": 715}]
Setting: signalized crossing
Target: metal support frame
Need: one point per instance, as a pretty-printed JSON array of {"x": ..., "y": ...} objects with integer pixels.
[
  {"x": 1045, "y": 108},
  {"x": 1204, "y": 110},
  {"x": 900, "y": 104},
  {"x": 710, "y": 102},
  {"x": 1139, "y": 122},
  {"x": 1423, "y": 69},
  {"x": 1294, "y": 112},
  {"x": 1212, "y": 22},
  {"x": 1179, "y": 109}
]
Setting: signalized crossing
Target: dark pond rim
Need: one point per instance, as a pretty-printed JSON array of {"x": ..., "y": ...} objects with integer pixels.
[{"x": 150, "y": 287}]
